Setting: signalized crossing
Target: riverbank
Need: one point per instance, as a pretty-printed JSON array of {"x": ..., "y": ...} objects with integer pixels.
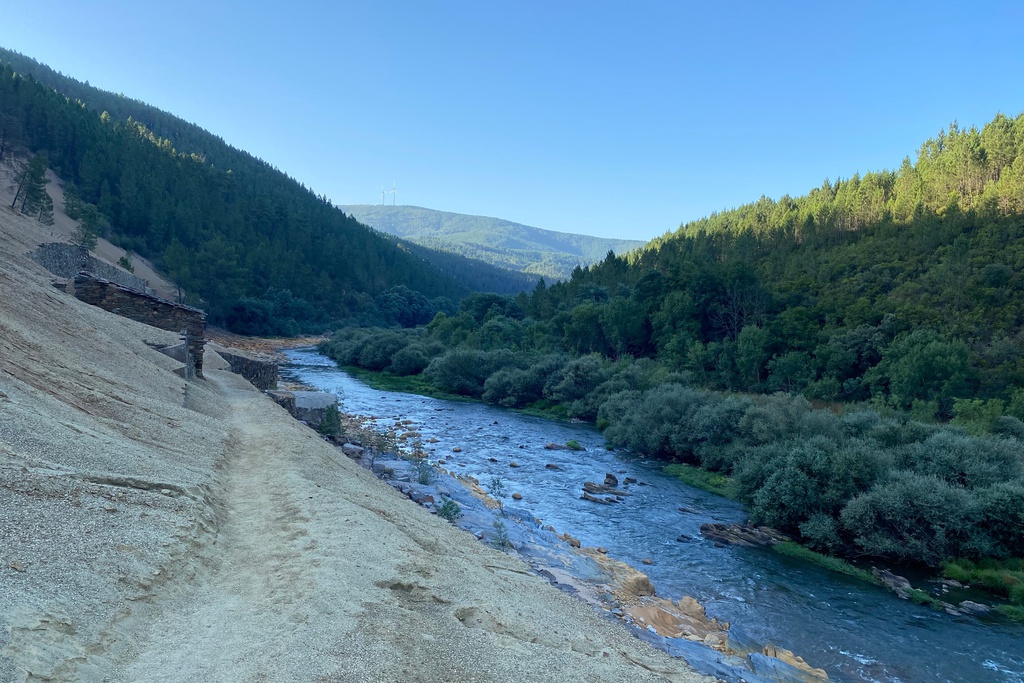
[{"x": 497, "y": 517}]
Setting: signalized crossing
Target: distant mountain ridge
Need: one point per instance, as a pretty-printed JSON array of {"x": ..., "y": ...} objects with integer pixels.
[{"x": 497, "y": 241}]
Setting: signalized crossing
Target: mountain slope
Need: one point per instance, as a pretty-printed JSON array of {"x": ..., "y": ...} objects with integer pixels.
[
  {"x": 256, "y": 248},
  {"x": 503, "y": 243}
]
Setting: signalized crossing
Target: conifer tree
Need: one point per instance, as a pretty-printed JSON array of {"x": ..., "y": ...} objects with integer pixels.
[{"x": 31, "y": 186}]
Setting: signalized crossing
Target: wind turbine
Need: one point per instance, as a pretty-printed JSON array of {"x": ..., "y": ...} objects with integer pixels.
[
  {"x": 382, "y": 194},
  {"x": 394, "y": 192}
]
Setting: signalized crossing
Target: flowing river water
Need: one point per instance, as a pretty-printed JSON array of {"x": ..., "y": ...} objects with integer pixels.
[{"x": 855, "y": 631}]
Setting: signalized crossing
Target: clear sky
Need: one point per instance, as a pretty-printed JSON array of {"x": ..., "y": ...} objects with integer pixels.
[{"x": 618, "y": 119}]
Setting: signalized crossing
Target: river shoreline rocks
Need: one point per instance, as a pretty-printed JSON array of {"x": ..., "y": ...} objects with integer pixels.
[{"x": 615, "y": 589}]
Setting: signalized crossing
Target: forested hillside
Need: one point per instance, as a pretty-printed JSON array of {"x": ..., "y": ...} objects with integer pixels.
[
  {"x": 893, "y": 299},
  {"x": 262, "y": 252},
  {"x": 903, "y": 289},
  {"x": 503, "y": 243}
]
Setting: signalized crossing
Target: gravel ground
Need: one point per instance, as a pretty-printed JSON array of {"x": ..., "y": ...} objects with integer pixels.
[{"x": 149, "y": 533}]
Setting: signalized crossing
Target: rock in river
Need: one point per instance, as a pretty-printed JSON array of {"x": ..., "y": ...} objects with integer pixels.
[{"x": 743, "y": 535}]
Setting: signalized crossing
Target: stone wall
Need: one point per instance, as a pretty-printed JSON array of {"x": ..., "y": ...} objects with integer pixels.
[
  {"x": 261, "y": 374},
  {"x": 308, "y": 406},
  {"x": 68, "y": 260},
  {"x": 145, "y": 308}
]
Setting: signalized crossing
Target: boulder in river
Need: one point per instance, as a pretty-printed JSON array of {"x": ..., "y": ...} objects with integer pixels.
[
  {"x": 894, "y": 582},
  {"x": 573, "y": 542},
  {"x": 971, "y": 607},
  {"x": 744, "y": 535},
  {"x": 551, "y": 466},
  {"x": 611, "y": 480},
  {"x": 513, "y": 464},
  {"x": 594, "y": 489},
  {"x": 457, "y": 449}
]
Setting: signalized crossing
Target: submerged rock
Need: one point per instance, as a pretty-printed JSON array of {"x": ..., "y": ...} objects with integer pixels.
[
  {"x": 595, "y": 499},
  {"x": 743, "y": 535}
]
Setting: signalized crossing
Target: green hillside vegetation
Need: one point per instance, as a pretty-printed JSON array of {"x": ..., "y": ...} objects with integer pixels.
[
  {"x": 547, "y": 253},
  {"x": 892, "y": 299},
  {"x": 263, "y": 253}
]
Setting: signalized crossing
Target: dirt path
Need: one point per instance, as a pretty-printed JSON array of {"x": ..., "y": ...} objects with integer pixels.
[{"x": 320, "y": 572}]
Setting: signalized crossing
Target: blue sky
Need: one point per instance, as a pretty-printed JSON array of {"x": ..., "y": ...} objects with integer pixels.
[{"x": 615, "y": 119}]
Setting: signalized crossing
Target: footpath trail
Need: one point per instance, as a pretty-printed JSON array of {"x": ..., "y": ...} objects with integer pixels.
[{"x": 321, "y": 573}]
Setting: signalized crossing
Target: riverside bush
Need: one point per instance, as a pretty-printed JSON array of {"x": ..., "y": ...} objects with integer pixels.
[
  {"x": 464, "y": 371},
  {"x": 515, "y": 387},
  {"x": 449, "y": 510},
  {"x": 377, "y": 351},
  {"x": 916, "y": 517},
  {"x": 414, "y": 358}
]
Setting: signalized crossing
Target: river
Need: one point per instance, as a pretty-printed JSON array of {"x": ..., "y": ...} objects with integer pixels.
[{"x": 855, "y": 631}]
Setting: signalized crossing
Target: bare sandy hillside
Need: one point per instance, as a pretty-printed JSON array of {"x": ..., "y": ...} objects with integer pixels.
[{"x": 153, "y": 530}]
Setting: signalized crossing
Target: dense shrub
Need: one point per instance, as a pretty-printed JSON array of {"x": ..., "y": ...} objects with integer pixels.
[
  {"x": 377, "y": 351},
  {"x": 772, "y": 419},
  {"x": 1002, "y": 508},
  {"x": 815, "y": 477},
  {"x": 655, "y": 422},
  {"x": 464, "y": 371},
  {"x": 576, "y": 379},
  {"x": 410, "y": 360},
  {"x": 626, "y": 375},
  {"x": 962, "y": 460},
  {"x": 916, "y": 517},
  {"x": 514, "y": 387}
]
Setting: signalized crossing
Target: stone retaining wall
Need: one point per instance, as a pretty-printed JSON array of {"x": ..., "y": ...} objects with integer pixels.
[
  {"x": 309, "y": 406},
  {"x": 68, "y": 260},
  {"x": 145, "y": 308},
  {"x": 261, "y": 374}
]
